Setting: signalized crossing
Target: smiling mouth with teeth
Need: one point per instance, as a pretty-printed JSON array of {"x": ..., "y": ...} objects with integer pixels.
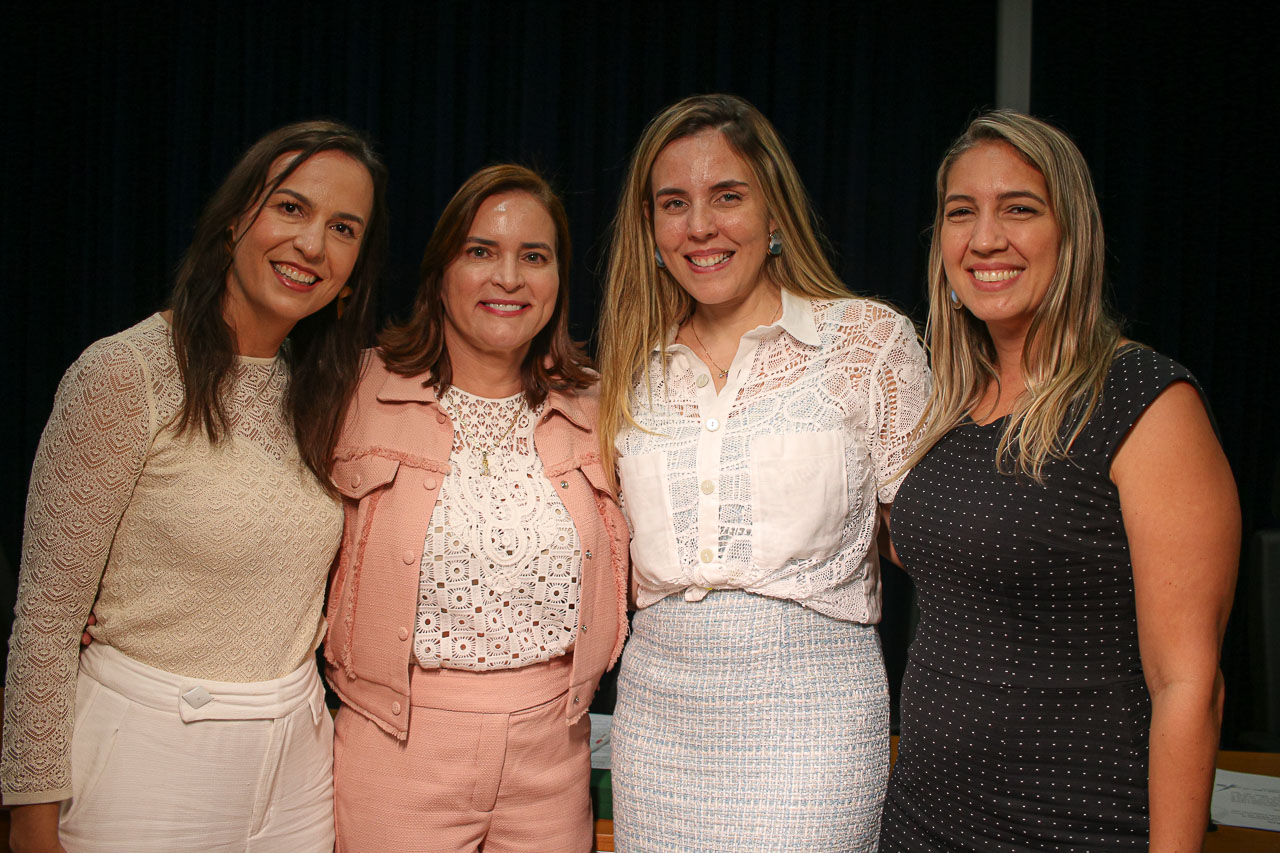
[
  {"x": 710, "y": 260},
  {"x": 294, "y": 275},
  {"x": 995, "y": 275},
  {"x": 504, "y": 307}
]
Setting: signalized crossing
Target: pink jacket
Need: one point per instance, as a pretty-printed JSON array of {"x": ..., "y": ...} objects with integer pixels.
[{"x": 390, "y": 461}]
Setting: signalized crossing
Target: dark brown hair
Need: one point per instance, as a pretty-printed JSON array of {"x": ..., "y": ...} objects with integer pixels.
[
  {"x": 323, "y": 350},
  {"x": 417, "y": 346}
]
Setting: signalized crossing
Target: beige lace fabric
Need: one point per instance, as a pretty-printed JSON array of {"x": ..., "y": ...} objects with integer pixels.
[
  {"x": 205, "y": 561},
  {"x": 502, "y": 558},
  {"x": 772, "y": 484}
]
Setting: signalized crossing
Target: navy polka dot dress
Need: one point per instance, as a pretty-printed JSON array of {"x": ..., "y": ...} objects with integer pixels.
[{"x": 1025, "y": 715}]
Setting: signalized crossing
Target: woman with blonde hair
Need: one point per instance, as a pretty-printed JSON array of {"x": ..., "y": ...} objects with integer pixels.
[
  {"x": 481, "y": 587},
  {"x": 759, "y": 414},
  {"x": 1072, "y": 529}
]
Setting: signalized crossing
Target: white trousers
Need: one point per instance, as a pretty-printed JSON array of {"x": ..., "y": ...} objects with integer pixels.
[{"x": 163, "y": 763}]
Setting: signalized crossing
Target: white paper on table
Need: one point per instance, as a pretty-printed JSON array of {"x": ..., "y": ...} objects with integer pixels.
[
  {"x": 601, "y": 748},
  {"x": 1246, "y": 799}
]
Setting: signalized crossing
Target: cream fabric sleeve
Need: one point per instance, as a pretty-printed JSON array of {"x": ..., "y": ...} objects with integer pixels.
[
  {"x": 89, "y": 458},
  {"x": 899, "y": 392}
]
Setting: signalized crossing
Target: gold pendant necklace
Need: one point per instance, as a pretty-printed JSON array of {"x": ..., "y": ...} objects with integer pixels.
[
  {"x": 484, "y": 451},
  {"x": 724, "y": 374}
]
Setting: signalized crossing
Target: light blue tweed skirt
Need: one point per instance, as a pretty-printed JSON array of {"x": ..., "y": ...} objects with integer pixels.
[{"x": 747, "y": 724}]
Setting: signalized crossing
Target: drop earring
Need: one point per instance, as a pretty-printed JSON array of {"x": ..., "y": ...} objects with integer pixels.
[
  {"x": 775, "y": 243},
  {"x": 955, "y": 300},
  {"x": 657, "y": 256}
]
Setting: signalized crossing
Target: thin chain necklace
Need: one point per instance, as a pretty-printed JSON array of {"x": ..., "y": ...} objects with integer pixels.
[
  {"x": 467, "y": 440},
  {"x": 724, "y": 374}
]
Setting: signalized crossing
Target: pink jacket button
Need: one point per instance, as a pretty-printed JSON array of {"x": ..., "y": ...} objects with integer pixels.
[
  {"x": 429, "y": 483},
  {"x": 404, "y": 633},
  {"x": 407, "y": 556},
  {"x": 355, "y": 481},
  {"x": 439, "y": 418},
  {"x": 395, "y": 708}
]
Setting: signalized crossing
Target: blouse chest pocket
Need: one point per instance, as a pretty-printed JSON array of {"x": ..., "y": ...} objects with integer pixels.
[
  {"x": 646, "y": 501},
  {"x": 799, "y": 496}
]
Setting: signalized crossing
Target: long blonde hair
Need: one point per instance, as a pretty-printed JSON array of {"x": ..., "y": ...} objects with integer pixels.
[
  {"x": 1073, "y": 335},
  {"x": 642, "y": 302}
]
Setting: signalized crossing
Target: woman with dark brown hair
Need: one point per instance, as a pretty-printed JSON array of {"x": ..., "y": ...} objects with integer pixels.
[
  {"x": 481, "y": 587},
  {"x": 181, "y": 491}
]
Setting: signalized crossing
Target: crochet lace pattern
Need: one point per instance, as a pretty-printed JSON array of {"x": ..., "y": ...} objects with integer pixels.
[{"x": 203, "y": 560}]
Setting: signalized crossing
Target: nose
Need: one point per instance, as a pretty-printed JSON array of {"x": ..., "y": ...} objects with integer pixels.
[
  {"x": 988, "y": 234},
  {"x": 310, "y": 240},
  {"x": 702, "y": 221},
  {"x": 507, "y": 272}
]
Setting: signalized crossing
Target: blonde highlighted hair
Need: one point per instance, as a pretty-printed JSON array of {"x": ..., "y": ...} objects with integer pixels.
[
  {"x": 642, "y": 302},
  {"x": 1073, "y": 335}
]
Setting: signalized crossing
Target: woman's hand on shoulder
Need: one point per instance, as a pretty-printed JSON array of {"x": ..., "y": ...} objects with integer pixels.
[{"x": 34, "y": 828}]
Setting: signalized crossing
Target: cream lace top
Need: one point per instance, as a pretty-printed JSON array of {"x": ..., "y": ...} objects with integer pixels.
[
  {"x": 772, "y": 484},
  {"x": 205, "y": 561},
  {"x": 501, "y": 561}
]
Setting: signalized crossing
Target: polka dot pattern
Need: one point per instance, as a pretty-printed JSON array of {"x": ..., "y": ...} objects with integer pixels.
[{"x": 1024, "y": 708}]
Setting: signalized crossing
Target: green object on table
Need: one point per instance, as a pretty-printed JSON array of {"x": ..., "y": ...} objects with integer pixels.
[{"x": 602, "y": 794}]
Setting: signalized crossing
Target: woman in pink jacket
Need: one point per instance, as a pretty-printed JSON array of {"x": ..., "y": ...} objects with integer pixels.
[{"x": 481, "y": 586}]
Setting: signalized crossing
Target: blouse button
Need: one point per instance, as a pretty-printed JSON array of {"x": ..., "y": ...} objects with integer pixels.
[
  {"x": 583, "y": 629},
  {"x": 702, "y": 380},
  {"x": 404, "y": 633},
  {"x": 587, "y": 555},
  {"x": 706, "y": 556},
  {"x": 564, "y": 484},
  {"x": 429, "y": 483},
  {"x": 576, "y": 700},
  {"x": 395, "y": 708},
  {"x": 713, "y": 424},
  {"x": 407, "y": 556},
  {"x": 708, "y": 487}
]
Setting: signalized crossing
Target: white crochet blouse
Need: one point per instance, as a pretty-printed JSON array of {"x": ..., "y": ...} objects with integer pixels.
[
  {"x": 501, "y": 560},
  {"x": 205, "y": 561},
  {"x": 772, "y": 484}
]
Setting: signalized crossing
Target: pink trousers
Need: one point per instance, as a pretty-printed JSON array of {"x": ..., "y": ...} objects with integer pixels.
[{"x": 487, "y": 779}]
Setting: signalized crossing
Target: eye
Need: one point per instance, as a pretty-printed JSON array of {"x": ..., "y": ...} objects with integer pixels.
[
  {"x": 1023, "y": 211},
  {"x": 476, "y": 252},
  {"x": 674, "y": 205},
  {"x": 345, "y": 229},
  {"x": 956, "y": 214},
  {"x": 535, "y": 258},
  {"x": 290, "y": 208},
  {"x": 731, "y": 197}
]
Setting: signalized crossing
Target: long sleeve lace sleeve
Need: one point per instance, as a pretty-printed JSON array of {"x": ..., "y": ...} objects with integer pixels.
[
  {"x": 899, "y": 392},
  {"x": 88, "y": 460}
]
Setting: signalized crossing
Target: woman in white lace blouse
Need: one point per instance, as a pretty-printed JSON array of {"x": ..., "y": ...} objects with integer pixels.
[
  {"x": 759, "y": 414},
  {"x": 481, "y": 589},
  {"x": 180, "y": 490}
]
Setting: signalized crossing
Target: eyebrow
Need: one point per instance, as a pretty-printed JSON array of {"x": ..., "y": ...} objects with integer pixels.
[
  {"x": 1004, "y": 196},
  {"x": 732, "y": 183},
  {"x": 484, "y": 241},
  {"x": 302, "y": 198}
]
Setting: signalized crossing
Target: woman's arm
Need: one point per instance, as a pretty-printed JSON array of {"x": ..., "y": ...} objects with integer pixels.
[
  {"x": 85, "y": 470},
  {"x": 1182, "y": 516}
]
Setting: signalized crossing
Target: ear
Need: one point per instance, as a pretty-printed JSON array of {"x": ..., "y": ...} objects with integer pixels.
[{"x": 648, "y": 212}]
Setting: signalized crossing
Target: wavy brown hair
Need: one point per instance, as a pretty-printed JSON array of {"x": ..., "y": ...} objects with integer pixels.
[
  {"x": 323, "y": 350},
  {"x": 417, "y": 346},
  {"x": 1073, "y": 335}
]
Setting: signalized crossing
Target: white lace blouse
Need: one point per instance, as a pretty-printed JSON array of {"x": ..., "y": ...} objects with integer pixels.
[
  {"x": 772, "y": 484},
  {"x": 501, "y": 561}
]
